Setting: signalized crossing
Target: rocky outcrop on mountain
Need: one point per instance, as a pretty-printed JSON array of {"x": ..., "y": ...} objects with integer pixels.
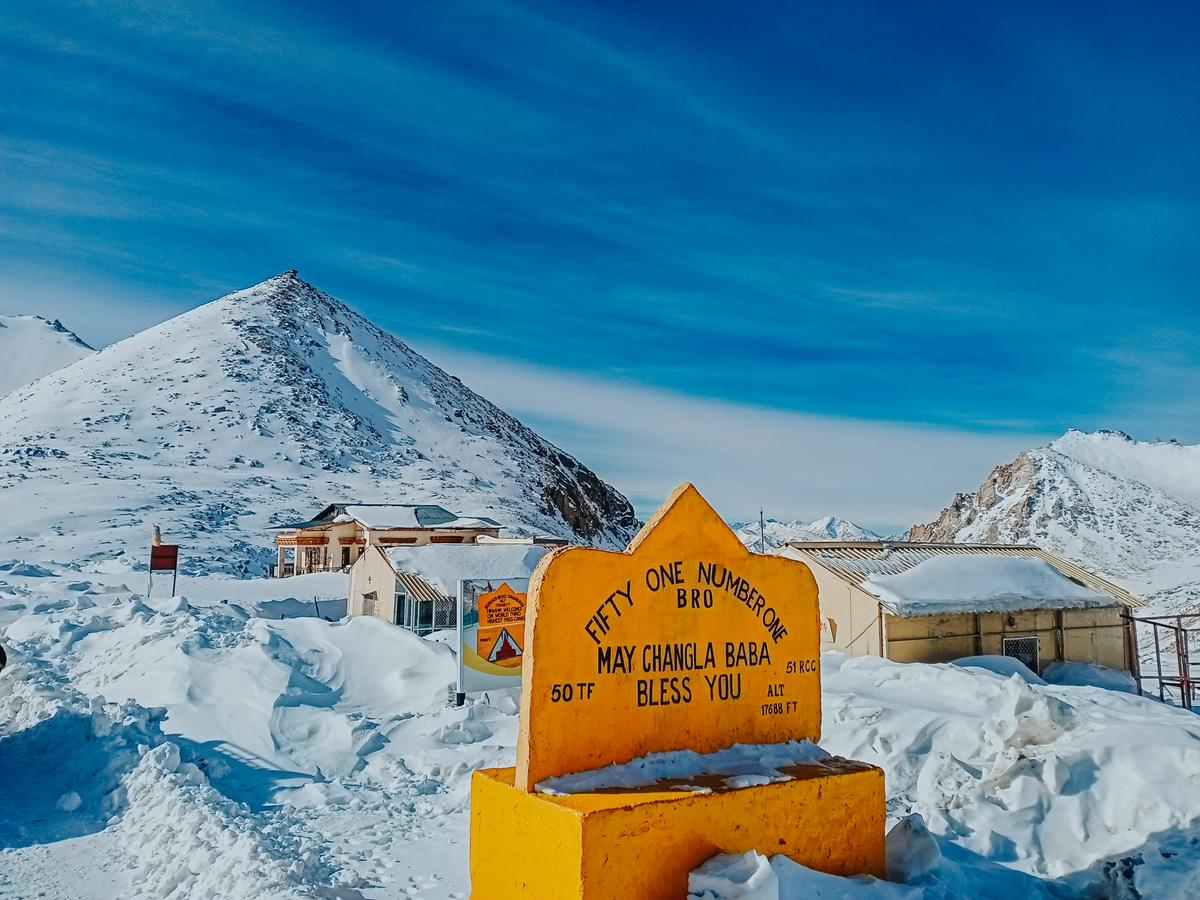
[
  {"x": 1127, "y": 509},
  {"x": 1003, "y": 507},
  {"x": 264, "y": 406}
]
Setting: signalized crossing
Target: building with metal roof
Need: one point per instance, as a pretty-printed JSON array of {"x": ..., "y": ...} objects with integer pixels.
[
  {"x": 916, "y": 602},
  {"x": 337, "y": 536},
  {"x": 416, "y": 587}
]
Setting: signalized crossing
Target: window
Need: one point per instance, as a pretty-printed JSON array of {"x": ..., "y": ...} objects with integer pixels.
[
  {"x": 401, "y": 615},
  {"x": 345, "y": 557},
  {"x": 1025, "y": 650},
  {"x": 368, "y": 604}
]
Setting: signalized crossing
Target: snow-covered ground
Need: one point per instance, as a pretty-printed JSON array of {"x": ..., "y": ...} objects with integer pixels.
[{"x": 226, "y": 742}]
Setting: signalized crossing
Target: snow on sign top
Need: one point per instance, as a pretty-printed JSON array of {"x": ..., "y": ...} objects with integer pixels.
[
  {"x": 684, "y": 641},
  {"x": 976, "y": 583}
]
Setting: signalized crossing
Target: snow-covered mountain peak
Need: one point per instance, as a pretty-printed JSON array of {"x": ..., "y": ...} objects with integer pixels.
[
  {"x": 841, "y": 530},
  {"x": 777, "y": 533},
  {"x": 31, "y": 346},
  {"x": 1125, "y": 508},
  {"x": 268, "y": 403},
  {"x": 1166, "y": 465}
]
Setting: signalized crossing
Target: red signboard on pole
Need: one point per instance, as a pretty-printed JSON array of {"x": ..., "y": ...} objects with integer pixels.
[{"x": 164, "y": 558}]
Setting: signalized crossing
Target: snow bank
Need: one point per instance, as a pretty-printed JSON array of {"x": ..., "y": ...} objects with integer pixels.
[
  {"x": 1089, "y": 675},
  {"x": 323, "y": 756},
  {"x": 1005, "y": 666},
  {"x": 1045, "y": 779},
  {"x": 64, "y": 756},
  {"x": 298, "y": 757},
  {"x": 182, "y": 839},
  {"x": 977, "y": 583}
]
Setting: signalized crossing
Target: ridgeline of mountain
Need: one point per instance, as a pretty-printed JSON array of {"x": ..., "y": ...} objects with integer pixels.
[
  {"x": 778, "y": 533},
  {"x": 259, "y": 408},
  {"x": 1124, "y": 508},
  {"x": 31, "y": 347}
]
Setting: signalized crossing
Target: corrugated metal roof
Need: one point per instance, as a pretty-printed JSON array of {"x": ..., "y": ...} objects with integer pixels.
[
  {"x": 417, "y": 587},
  {"x": 854, "y": 561}
]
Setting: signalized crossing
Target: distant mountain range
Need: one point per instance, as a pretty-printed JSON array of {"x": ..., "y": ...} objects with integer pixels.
[
  {"x": 31, "y": 347},
  {"x": 269, "y": 403},
  {"x": 778, "y": 533},
  {"x": 260, "y": 408},
  {"x": 1127, "y": 509}
]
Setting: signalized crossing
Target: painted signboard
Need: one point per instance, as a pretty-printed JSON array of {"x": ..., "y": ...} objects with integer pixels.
[
  {"x": 491, "y": 633},
  {"x": 684, "y": 641},
  {"x": 164, "y": 557},
  {"x": 501, "y": 638}
]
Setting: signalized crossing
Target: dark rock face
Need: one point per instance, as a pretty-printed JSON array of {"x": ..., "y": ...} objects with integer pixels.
[{"x": 1018, "y": 478}]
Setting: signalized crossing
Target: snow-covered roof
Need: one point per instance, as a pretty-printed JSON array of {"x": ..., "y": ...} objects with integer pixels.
[
  {"x": 444, "y": 565},
  {"x": 388, "y": 516},
  {"x": 981, "y": 583},
  {"x": 977, "y": 578}
]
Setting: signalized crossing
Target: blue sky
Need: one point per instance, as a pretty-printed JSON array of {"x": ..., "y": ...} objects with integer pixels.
[{"x": 976, "y": 221}]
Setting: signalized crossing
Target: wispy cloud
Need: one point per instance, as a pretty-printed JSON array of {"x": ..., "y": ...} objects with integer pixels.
[
  {"x": 744, "y": 457},
  {"x": 787, "y": 207}
]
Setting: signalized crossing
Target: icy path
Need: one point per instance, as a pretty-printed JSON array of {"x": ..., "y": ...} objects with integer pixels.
[{"x": 206, "y": 747}]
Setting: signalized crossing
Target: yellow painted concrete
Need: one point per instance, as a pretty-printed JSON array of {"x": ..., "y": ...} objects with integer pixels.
[
  {"x": 644, "y": 843},
  {"x": 684, "y": 641}
]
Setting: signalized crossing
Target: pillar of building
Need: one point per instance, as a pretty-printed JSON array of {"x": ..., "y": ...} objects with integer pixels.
[{"x": 282, "y": 556}]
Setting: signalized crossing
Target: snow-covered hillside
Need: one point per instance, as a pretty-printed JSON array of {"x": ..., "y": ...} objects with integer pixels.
[
  {"x": 31, "y": 347},
  {"x": 259, "y": 408},
  {"x": 227, "y": 743},
  {"x": 778, "y": 533},
  {"x": 1127, "y": 509}
]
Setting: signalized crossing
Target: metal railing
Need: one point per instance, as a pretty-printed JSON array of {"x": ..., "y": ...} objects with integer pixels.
[{"x": 1168, "y": 650}]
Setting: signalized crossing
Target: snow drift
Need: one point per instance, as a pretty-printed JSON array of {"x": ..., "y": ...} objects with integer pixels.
[{"x": 317, "y": 758}]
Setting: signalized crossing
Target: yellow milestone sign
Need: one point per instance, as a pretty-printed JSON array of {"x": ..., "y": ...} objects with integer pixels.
[
  {"x": 684, "y": 641},
  {"x": 502, "y": 627}
]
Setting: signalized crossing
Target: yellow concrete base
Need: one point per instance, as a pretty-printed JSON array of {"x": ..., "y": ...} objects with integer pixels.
[{"x": 643, "y": 843}]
